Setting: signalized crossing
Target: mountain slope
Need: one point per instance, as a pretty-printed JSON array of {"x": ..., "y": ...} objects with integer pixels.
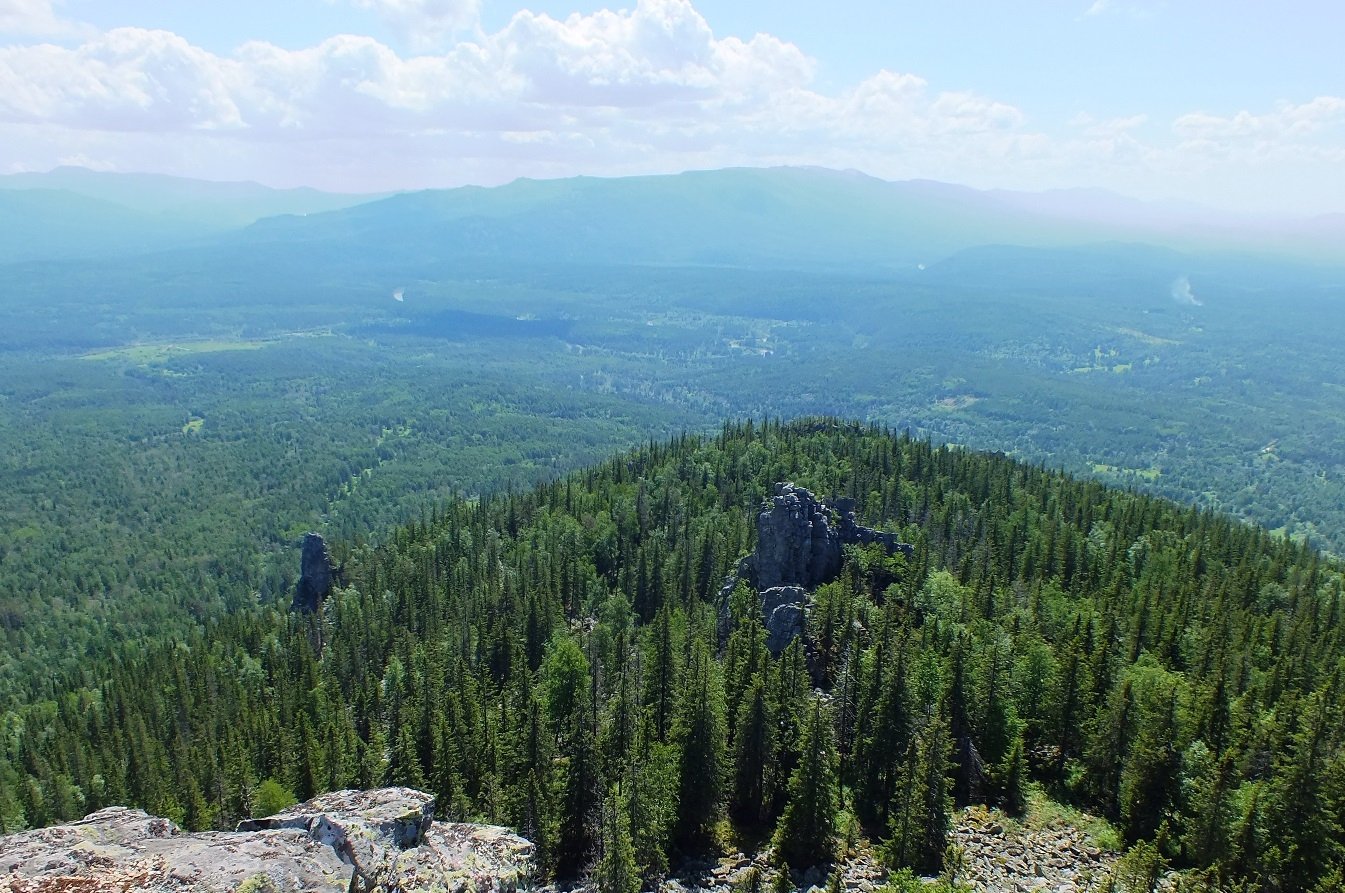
[
  {"x": 744, "y": 217},
  {"x": 41, "y": 224},
  {"x": 221, "y": 204},
  {"x": 550, "y": 658}
]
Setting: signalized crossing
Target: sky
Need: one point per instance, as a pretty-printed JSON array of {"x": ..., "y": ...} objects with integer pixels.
[{"x": 1235, "y": 104}]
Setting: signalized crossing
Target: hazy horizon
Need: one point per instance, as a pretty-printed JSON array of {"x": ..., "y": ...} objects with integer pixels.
[
  {"x": 1055, "y": 200},
  {"x": 1144, "y": 99}
]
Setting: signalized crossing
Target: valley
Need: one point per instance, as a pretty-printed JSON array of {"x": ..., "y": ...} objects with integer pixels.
[
  {"x": 679, "y": 446},
  {"x": 520, "y": 373}
]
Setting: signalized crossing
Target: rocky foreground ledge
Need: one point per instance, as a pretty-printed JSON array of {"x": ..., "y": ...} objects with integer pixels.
[{"x": 346, "y": 841}]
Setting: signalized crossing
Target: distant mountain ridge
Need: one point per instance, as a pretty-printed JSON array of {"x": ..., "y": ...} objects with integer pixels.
[
  {"x": 768, "y": 217},
  {"x": 231, "y": 203},
  {"x": 744, "y": 217},
  {"x": 54, "y": 224},
  {"x": 736, "y": 217}
]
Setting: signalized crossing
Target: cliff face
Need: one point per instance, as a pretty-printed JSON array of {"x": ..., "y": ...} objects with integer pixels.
[
  {"x": 344, "y": 841},
  {"x": 800, "y": 540},
  {"x": 797, "y": 543}
]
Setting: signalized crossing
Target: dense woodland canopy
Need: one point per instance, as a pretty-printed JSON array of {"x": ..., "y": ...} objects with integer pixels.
[
  {"x": 170, "y": 425},
  {"x": 551, "y": 660}
]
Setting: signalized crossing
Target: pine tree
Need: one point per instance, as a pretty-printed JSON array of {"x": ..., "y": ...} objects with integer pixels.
[
  {"x": 1150, "y": 779},
  {"x": 753, "y": 746},
  {"x": 886, "y": 733},
  {"x": 1013, "y": 777},
  {"x": 1308, "y": 835},
  {"x": 651, "y": 789},
  {"x": 662, "y": 673}
]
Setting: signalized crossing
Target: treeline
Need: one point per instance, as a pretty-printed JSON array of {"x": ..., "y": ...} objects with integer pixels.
[{"x": 557, "y": 660}]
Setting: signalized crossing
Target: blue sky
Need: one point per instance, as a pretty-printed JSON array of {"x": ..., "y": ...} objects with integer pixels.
[{"x": 1238, "y": 105}]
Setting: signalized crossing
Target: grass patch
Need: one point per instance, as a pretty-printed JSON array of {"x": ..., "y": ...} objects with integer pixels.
[
  {"x": 193, "y": 425},
  {"x": 1044, "y": 812},
  {"x": 1145, "y": 337},
  {"x": 143, "y": 354},
  {"x": 26, "y": 532},
  {"x": 1116, "y": 471},
  {"x": 957, "y": 401}
]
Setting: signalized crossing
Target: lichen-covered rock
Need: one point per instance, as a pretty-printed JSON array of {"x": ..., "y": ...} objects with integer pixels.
[
  {"x": 365, "y": 828},
  {"x": 348, "y": 840},
  {"x": 461, "y": 858},
  {"x": 127, "y": 849}
]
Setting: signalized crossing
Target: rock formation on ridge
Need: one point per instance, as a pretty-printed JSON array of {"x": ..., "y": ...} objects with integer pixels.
[
  {"x": 317, "y": 573},
  {"x": 800, "y": 540},
  {"x": 800, "y": 546},
  {"x": 343, "y": 841}
]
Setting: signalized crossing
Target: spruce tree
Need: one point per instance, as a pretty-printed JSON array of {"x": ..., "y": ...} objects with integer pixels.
[
  {"x": 753, "y": 747},
  {"x": 806, "y": 834},
  {"x": 651, "y": 788},
  {"x": 701, "y": 732},
  {"x": 922, "y": 814},
  {"x": 616, "y": 870}
]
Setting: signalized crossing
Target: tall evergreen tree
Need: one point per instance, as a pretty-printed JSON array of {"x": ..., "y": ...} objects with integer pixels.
[
  {"x": 701, "y": 732},
  {"x": 616, "y": 871},
  {"x": 806, "y": 834},
  {"x": 753, "y": 749},
  {"x": 921, "y": 817}
]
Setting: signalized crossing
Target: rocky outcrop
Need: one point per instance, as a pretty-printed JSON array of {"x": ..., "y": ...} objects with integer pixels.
[
  {"x": 853, "y": 533},
  {"x": 797, "y": 545},
  {"x": 345, "y": 841},
  {"x": 800, "y": 540},
  {"x": 317, "y": 574},
  {"x": 782, "y": 610},
  {"x": 800, "y": 546}
]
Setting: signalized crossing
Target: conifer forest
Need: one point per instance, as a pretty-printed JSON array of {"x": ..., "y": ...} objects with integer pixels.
[{"x": 566, "y": 660}]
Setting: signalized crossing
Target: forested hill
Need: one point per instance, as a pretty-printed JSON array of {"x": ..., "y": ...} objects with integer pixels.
[{"x": 551, "y": 660}]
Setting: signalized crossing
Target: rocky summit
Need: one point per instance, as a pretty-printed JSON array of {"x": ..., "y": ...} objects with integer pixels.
[{"x": 384, "y": 840}]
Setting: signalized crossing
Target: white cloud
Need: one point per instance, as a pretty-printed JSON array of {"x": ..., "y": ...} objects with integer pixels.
[
  {"x": 1110, "y": 7},
  {"x": 425, "y": 23},
  {"x": 1108, "y": 128},
  {"x": 37, "y": 18},
  {"x": 1286, "y": 122},
  {"x": 644, "y": 90},
  {"x": 535, "y": 74},
  {"x": 126, "y": 79}
]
